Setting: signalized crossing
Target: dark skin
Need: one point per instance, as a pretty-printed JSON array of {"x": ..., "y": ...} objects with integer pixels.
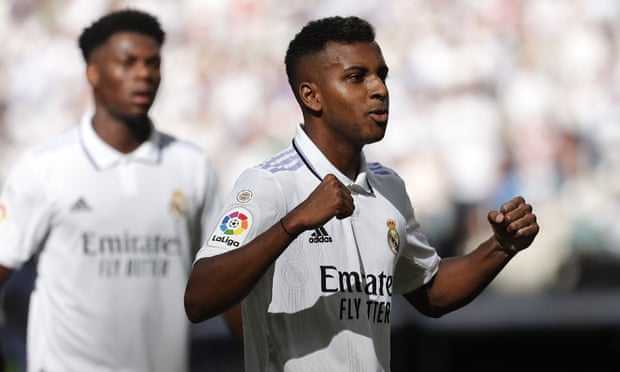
[
  {"x": 344, "y": 101},
  {"x": 124, "y": 74}
]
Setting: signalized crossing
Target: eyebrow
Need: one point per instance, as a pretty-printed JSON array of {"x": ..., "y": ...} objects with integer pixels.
[{"x": 382, "y": 70}]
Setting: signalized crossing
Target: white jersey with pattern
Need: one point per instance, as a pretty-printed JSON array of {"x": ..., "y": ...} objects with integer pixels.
[
  {"x": 325, "y": 304},
  {"x": 115, "y": 236}
]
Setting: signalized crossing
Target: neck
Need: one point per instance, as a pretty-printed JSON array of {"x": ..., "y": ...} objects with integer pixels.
[
  {"x": 346, "y": 160},
  {"x": 345, "y": 156},
  {"x": 123, "y": 134}
]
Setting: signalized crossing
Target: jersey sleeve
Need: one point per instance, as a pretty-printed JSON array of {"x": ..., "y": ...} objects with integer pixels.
[
  {"x": 211, "y": 203},
  {"x": 417, "y": 261},
  {"x": 255, "y": 202},
  {"x": 24, "y": 214}
]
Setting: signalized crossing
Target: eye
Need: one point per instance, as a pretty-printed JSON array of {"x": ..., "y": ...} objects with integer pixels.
[
  {"x": 383, "y": 74},
  {"x": 154, "y": 62},
  {"x": 127, "y": 62},
  {"x": 356, "y": 77}
]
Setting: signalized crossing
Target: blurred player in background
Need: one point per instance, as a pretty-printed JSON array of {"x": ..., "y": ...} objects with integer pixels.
[{"x": 114, "y": 211}]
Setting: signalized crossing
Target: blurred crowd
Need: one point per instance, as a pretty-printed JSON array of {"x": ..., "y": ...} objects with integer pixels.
[{"x": 489, "y": 99}]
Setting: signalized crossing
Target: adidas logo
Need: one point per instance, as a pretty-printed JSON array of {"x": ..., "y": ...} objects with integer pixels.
[
  {"x": 80, "y": 206},
  {"x": 320, "y": 235}
]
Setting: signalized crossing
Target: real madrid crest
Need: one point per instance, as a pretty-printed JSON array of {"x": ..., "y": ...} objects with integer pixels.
[
  {"x": 393, "y": 239},
  {"x": 178, "y": 204}
]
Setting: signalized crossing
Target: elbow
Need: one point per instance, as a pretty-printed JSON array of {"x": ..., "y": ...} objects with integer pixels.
[
  {"x": 428, "y": 304},
  {"x": 433, "y": 311},
  {"x": 198, "y": 298},
  {"x": 439, "y": 309},
  {"x": 192, "y": 310},
  {"x": 436, "y": 312},
  {"x": 195, "y": 309}
]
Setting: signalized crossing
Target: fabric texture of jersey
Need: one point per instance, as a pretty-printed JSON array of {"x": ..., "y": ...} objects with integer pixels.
[
  {"x": 115, "y": 236},
  {"x": 325, "y": 303}
]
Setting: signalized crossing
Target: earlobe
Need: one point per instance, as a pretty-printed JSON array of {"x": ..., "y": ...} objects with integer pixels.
[
  {"x": 92, "y": 74},
  {"x": 309, "y": 96}
]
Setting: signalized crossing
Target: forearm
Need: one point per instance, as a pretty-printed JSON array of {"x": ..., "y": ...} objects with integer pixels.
[
  {"x": 218, "y": 283},
  {"x": 460, "y": 279}
]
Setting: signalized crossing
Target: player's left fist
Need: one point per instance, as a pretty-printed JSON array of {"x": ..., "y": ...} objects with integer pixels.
[{"x": 514, "y": 225}]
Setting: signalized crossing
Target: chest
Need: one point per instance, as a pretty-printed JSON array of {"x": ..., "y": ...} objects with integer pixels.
[
  {"x": 134, "y": 221},
  {"x": 132, "y": 196},
  {"x": 357, "y": 251}
]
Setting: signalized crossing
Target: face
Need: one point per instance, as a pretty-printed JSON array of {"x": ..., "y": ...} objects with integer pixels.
[
  {"x": 351, "y": 91},
  {"x": 125, "y": 74}
]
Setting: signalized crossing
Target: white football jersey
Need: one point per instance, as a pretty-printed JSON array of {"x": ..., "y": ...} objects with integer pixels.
[
  {"x": 116, "y": 235},
  {"x": 325, "y": 303}
]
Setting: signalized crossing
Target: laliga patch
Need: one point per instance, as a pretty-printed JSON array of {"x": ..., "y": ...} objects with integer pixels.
[
  {"x": 232, "y": 229},
  {"x": 393, "y": 239}
]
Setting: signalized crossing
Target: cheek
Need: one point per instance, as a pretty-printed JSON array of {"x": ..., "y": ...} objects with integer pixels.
[
  {"x": 342, "y": 101},
  {"x": 113, "y": 84}
]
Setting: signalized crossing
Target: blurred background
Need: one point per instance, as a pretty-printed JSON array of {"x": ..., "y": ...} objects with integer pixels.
[{"x": 489, "y": 99}]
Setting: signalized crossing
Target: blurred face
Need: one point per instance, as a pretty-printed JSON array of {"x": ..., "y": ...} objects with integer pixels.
[
  {"x": 351, "y": 88},
  {"x": 125, "y": 75}
]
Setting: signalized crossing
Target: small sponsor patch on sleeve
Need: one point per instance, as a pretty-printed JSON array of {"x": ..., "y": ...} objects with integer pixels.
[
  {"x": 232, "y": 229},
  {"x": 244, "y": 196}
]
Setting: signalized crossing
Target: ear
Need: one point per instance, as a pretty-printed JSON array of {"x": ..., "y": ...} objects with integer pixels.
[
  {"x": 309, "y": 96},
  {"x": 92, "y": 74}
]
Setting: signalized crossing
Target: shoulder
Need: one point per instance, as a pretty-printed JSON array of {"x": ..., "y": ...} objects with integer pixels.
[
  {"x": 381, "y": 171},
  {"x": 59, "y": 150},
  {"x": 385, "y": 178},
  {"x": 63, "y": 142},
  {"x": 168, "y": 142},
  {"x": 38, "y": 162},
  {"x": 273, "y": 176},
  {"x": 183, "y": 153},
  {"x": 286, "y": 161}
]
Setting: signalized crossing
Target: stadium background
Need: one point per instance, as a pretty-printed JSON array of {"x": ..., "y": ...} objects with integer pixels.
[{"x": 489, "y": 99}]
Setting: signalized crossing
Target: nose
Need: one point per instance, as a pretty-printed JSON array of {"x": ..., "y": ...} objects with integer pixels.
[
  {"x": 378, "y": 89},
  {"x": 146, "y": 71}
]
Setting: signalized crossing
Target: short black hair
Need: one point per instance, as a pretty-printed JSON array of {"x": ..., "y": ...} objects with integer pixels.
[
  {"x": 317, "y": 33},
  {"x": 118, "y": 21}
]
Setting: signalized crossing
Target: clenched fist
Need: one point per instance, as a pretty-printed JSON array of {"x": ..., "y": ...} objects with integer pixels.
[{"x": 514, "y": 225}]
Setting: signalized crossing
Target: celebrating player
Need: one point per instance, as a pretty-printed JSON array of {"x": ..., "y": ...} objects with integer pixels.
[{"x": 317, "y": 240}]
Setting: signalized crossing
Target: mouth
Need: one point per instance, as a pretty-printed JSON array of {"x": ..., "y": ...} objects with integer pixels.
[
  {"x": 379, "y": 115},
  {"x": 143, "y": 98}
]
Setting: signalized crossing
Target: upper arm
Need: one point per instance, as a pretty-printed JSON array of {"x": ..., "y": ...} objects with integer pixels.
[
  {"x": 213, "y": 196},
  {"x": 255, "y": 201},
  {"x": 25, "y": 212}
]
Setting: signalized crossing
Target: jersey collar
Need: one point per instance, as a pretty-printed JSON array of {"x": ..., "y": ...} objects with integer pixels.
[
  {"x": 320, "y": 166},
  {"x": 104, "y": 156}
]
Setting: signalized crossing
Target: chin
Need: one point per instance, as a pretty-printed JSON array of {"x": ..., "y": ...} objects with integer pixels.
[
  {"x": 138, "y": 113},
  {"x": 134, "y": 118},
  {"x": 376, "y": 138},
  {"x": 382, "y": 128}
]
